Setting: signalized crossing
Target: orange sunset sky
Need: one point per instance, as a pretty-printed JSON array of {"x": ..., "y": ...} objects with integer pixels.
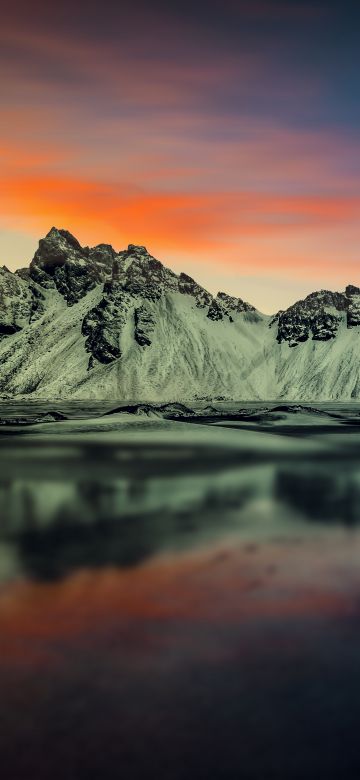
[{"x": 224, "y": 137}]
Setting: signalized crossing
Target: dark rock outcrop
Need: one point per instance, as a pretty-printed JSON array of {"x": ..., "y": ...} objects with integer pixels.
[
  {"x": 353, "y": 306},
  {"x": 144, "y": 324},
  {"x": 187, "y": 286},
  {"x": 232, "y": 305},
  {"x": 215, "y": 311},
  {"x": 138, "y": 273},
  {"x": 62, "y": 263},
  {"x": 21, "y": 302},
  {"x": 103, "y": 326},
  {"x": 228, "y": 306},
  {"x": 317, "y": 316},
  {"x": 138, "y": 280}
]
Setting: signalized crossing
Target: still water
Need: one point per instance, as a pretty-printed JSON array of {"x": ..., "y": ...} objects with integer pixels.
[{"x": 179, "y": 600}]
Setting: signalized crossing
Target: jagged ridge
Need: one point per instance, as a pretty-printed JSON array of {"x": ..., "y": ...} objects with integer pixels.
[{"x": 102, "y": 323}]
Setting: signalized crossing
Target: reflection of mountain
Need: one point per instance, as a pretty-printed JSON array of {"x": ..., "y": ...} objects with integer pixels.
[
  {"x": 112, "y": 523},
  {"x": 82, "y": 502},
  {"x": 322, "y": 494}
]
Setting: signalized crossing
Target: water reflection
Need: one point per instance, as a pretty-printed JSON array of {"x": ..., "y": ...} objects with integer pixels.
[
  {"x": 123, "y": 512},
  {"x": 326, "y": 495},
  {"x": 59, "y": 526},
  {"x": 171, "y": 607}
]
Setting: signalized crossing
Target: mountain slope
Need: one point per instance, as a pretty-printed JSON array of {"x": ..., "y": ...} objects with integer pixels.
[{"x": 95, "y": 323}]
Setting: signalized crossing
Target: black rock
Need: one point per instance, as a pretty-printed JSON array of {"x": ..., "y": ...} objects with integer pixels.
[
  {"x": 144, "y": 324},
  {"x": 187, "y": 286},
  {"x": 231, "y": 305},
  {"x": 215, "y": 312},
  {"x": 311, "y": 318},
  {"x": 62, "y": 263}
]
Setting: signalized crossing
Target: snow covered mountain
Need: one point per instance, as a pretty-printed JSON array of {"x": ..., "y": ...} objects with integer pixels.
[{"x": 94, "y": 323}]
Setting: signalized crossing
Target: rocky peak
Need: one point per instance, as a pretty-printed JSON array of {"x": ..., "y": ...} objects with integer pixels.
[
  {"x": 139, "y": 273},
  {"x": 137, "y": 249},
  {"x": 188, "y": 286},
  {"x": 228, "y": 305},
  {"x": 318, "y": 316},
  {"x": 353, "y": 305},
  {"x": 351, "y": 290},
  {"x": 62, "y": 263},
  {"x": 137, "y": 283},
  {"x": 324, "y": 298},
  {"x": 138, "y": 280},
  {"x": 104, "y": 255},
  {"x": 63, "y": 237}
]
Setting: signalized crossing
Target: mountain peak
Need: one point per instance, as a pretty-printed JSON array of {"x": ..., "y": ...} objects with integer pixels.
[
  {"x": 137, "y": 249},
  {"x": 61, "y": 262},
  {"x": 60, "y": 235},
  {"x": 319, "y": 316},
  {"x": 351, "y": 290},
  {"x": 165, "y": 334}
]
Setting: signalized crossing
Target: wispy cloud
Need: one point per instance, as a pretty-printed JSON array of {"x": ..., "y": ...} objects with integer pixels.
[{"x": 212, "y": 135}]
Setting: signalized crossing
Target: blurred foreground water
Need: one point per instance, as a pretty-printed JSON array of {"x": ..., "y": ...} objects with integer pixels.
[{"x": 179, "y": 599}]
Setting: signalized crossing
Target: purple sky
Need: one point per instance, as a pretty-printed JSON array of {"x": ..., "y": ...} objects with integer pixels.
[{"x": 224, "y": 136}]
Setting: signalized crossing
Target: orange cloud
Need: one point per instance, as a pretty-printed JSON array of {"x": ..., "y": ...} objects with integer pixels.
[{"x": 188, "y": 221}]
